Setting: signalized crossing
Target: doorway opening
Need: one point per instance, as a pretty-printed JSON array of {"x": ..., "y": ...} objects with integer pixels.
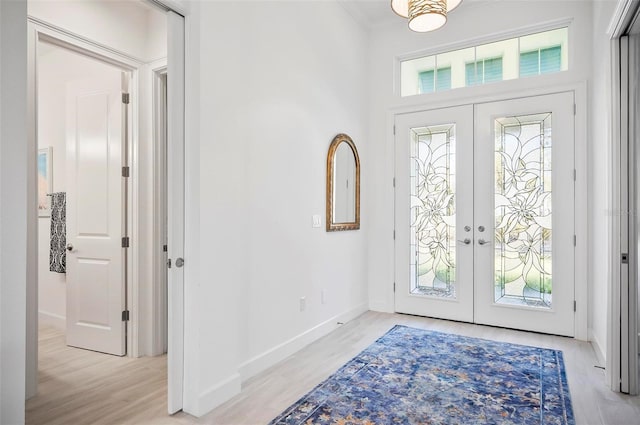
[
  {"x": 100, "y": 127},
  {"x": 83, "y": 222}
]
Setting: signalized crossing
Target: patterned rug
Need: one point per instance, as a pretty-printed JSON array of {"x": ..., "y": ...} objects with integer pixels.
[{"x": 412, "y": 376}]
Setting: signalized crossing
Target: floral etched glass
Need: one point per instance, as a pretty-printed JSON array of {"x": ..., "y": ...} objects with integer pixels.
[
  {"x": 523, "y": 188},
  {"x": 433, "y": 216}
]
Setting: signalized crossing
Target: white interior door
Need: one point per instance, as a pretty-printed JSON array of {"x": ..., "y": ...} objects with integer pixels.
[
  {"x": 434, "y": 214},
  {"x": 175, "y": 211},
  {"x": 95, "y": 257},
  {"x": 485, "y": 213},
  {"x": 524, "y": 184}
]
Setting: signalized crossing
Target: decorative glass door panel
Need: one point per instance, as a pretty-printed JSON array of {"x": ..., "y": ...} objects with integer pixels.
[
  {"x": 434, "y": 263},
  {"x": 433, "y": 203},
  {"x": 523, "y": 200},
  {"x": 524, "y": 196},
  {"x": 485, "y": 213}
]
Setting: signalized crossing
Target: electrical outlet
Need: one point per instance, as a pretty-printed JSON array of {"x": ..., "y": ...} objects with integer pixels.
[
  {"x": 317, "y": 221},
  {"x": 303, "y": 303}
]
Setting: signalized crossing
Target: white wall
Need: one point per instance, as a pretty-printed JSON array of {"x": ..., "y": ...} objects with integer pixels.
[
  {"x": 122, "y": 25},
  {"x": 56, "y": 68},
  {"x": 466, "y": 26},
  {"x": 155, "y": 35},
  {"x": 13, "y": 210},
  {"x": 272, "y": 92},
  {"x": 233, "y": 117}
]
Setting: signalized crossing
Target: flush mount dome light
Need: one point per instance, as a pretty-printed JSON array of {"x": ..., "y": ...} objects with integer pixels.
[{"x": 424, "y": 15}]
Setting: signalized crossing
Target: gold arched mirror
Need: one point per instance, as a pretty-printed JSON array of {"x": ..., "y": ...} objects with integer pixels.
[{"x": 343, "y": 185}]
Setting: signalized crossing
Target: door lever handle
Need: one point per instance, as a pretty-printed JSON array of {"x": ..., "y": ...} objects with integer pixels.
[
  {"x": 483, "y": 242},
  {"x": 465, "y": 241}
]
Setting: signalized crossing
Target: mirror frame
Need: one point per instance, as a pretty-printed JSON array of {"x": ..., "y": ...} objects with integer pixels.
[{"x": 330, "y": 224}]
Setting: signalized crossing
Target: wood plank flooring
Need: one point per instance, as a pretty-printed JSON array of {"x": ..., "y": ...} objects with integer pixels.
[{"x": 84, "y": 387}]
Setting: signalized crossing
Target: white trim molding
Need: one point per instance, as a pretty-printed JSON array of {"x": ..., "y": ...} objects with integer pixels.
[
  {"x": 622, "y": 16},
  {"x": 52, "y": 319},
  {"x": 231, "y": 386},
  {"x": 621, "y": 358},
  {"x": 598, "y": 349},
  {"x": 612, "y": 368},
  {"x": 280, "y": 352},
  {"x": 216, "y": 395}
]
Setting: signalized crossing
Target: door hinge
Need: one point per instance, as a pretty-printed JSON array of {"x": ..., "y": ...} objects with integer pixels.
[
  {"x": 164, "y": 248},
  {"x": 126, "y": 171},
  {"x": 575, "y": 240},
  {"x": 394, "y": 129},
  {"x": 394, "y": 287},
  {"x": 125, "y": 242},
  {"x": 575, "y": 306},
  {"x": 125, "y": 316},
  {"x": 394, "y": 235},
  {"x": 575, "y": 174},
  {"x": 125, "y": 98},
  {"x": 394, "y": 182},
  {"x": 168, "y": 263},
  {"x": 624, "y": 258},
  {"x": 575, "y": 109}
]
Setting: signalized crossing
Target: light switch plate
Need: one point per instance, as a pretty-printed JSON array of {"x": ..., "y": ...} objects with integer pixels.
[
  {"x": 303, "y": 303},
  {"x": 317, "y": 221}
]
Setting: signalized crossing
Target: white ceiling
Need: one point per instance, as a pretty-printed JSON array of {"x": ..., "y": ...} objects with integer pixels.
[
  {"x": 376, "y": 13},
  {"x": 371, "y": 13}
]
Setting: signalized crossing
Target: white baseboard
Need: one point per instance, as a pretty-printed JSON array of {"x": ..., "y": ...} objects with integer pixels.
[
  {"x": 55, "y": 320},
  {"x": 215, "y": 396},
  {"x": 381, "y": 306},
  {"x": 597, "y": 348},
  {"x": 280, "y": 352}
]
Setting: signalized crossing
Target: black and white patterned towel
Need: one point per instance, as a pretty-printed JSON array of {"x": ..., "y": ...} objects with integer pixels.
[{"x": 57, "y": 251}]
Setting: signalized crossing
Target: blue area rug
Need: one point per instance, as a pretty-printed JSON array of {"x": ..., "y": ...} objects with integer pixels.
[{"x": 412, "y": 376}]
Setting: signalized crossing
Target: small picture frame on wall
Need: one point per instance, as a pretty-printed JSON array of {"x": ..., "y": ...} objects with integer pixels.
[{"x": 45, "y": 181}]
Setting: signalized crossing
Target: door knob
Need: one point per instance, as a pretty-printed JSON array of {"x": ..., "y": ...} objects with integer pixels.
[
  {"x": 483, "y": 242},
  {"x": 467, "y": 228},
  {"x": 466, "y": 241},
  {"x": 69, "y": 247},
  {"x": 481, "y": 228},
  {"x": 179, "y": 262}
]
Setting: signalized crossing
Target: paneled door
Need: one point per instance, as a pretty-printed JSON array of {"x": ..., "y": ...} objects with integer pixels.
[
  {"x": 95, "y": 256},
  {"x": 434, "y": 213},
  {"x": 497, "y": 227}
]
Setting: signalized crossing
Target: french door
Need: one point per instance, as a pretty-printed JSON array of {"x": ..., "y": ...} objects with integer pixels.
[{"x": 485, "y": 213}]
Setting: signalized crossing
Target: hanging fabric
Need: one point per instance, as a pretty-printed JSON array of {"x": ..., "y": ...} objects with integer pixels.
[{"x": 57, "y": 252}]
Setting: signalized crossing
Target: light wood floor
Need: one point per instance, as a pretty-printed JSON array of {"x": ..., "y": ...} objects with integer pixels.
[{"x": 83, "y": 387}]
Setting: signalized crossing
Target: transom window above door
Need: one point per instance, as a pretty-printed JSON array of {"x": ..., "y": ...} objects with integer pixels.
[{"x": 534, "y": 54}]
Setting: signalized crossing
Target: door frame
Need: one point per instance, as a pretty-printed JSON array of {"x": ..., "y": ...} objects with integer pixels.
[
  {"x": 40, "y": 30},
  {"x": 159, "y": 295},
  {"x": 580, "y": 137},
  {"x": 622, "y": 310}
]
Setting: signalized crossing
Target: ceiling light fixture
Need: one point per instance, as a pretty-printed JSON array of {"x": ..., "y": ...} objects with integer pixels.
[{"x": 424, "y": 15}]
